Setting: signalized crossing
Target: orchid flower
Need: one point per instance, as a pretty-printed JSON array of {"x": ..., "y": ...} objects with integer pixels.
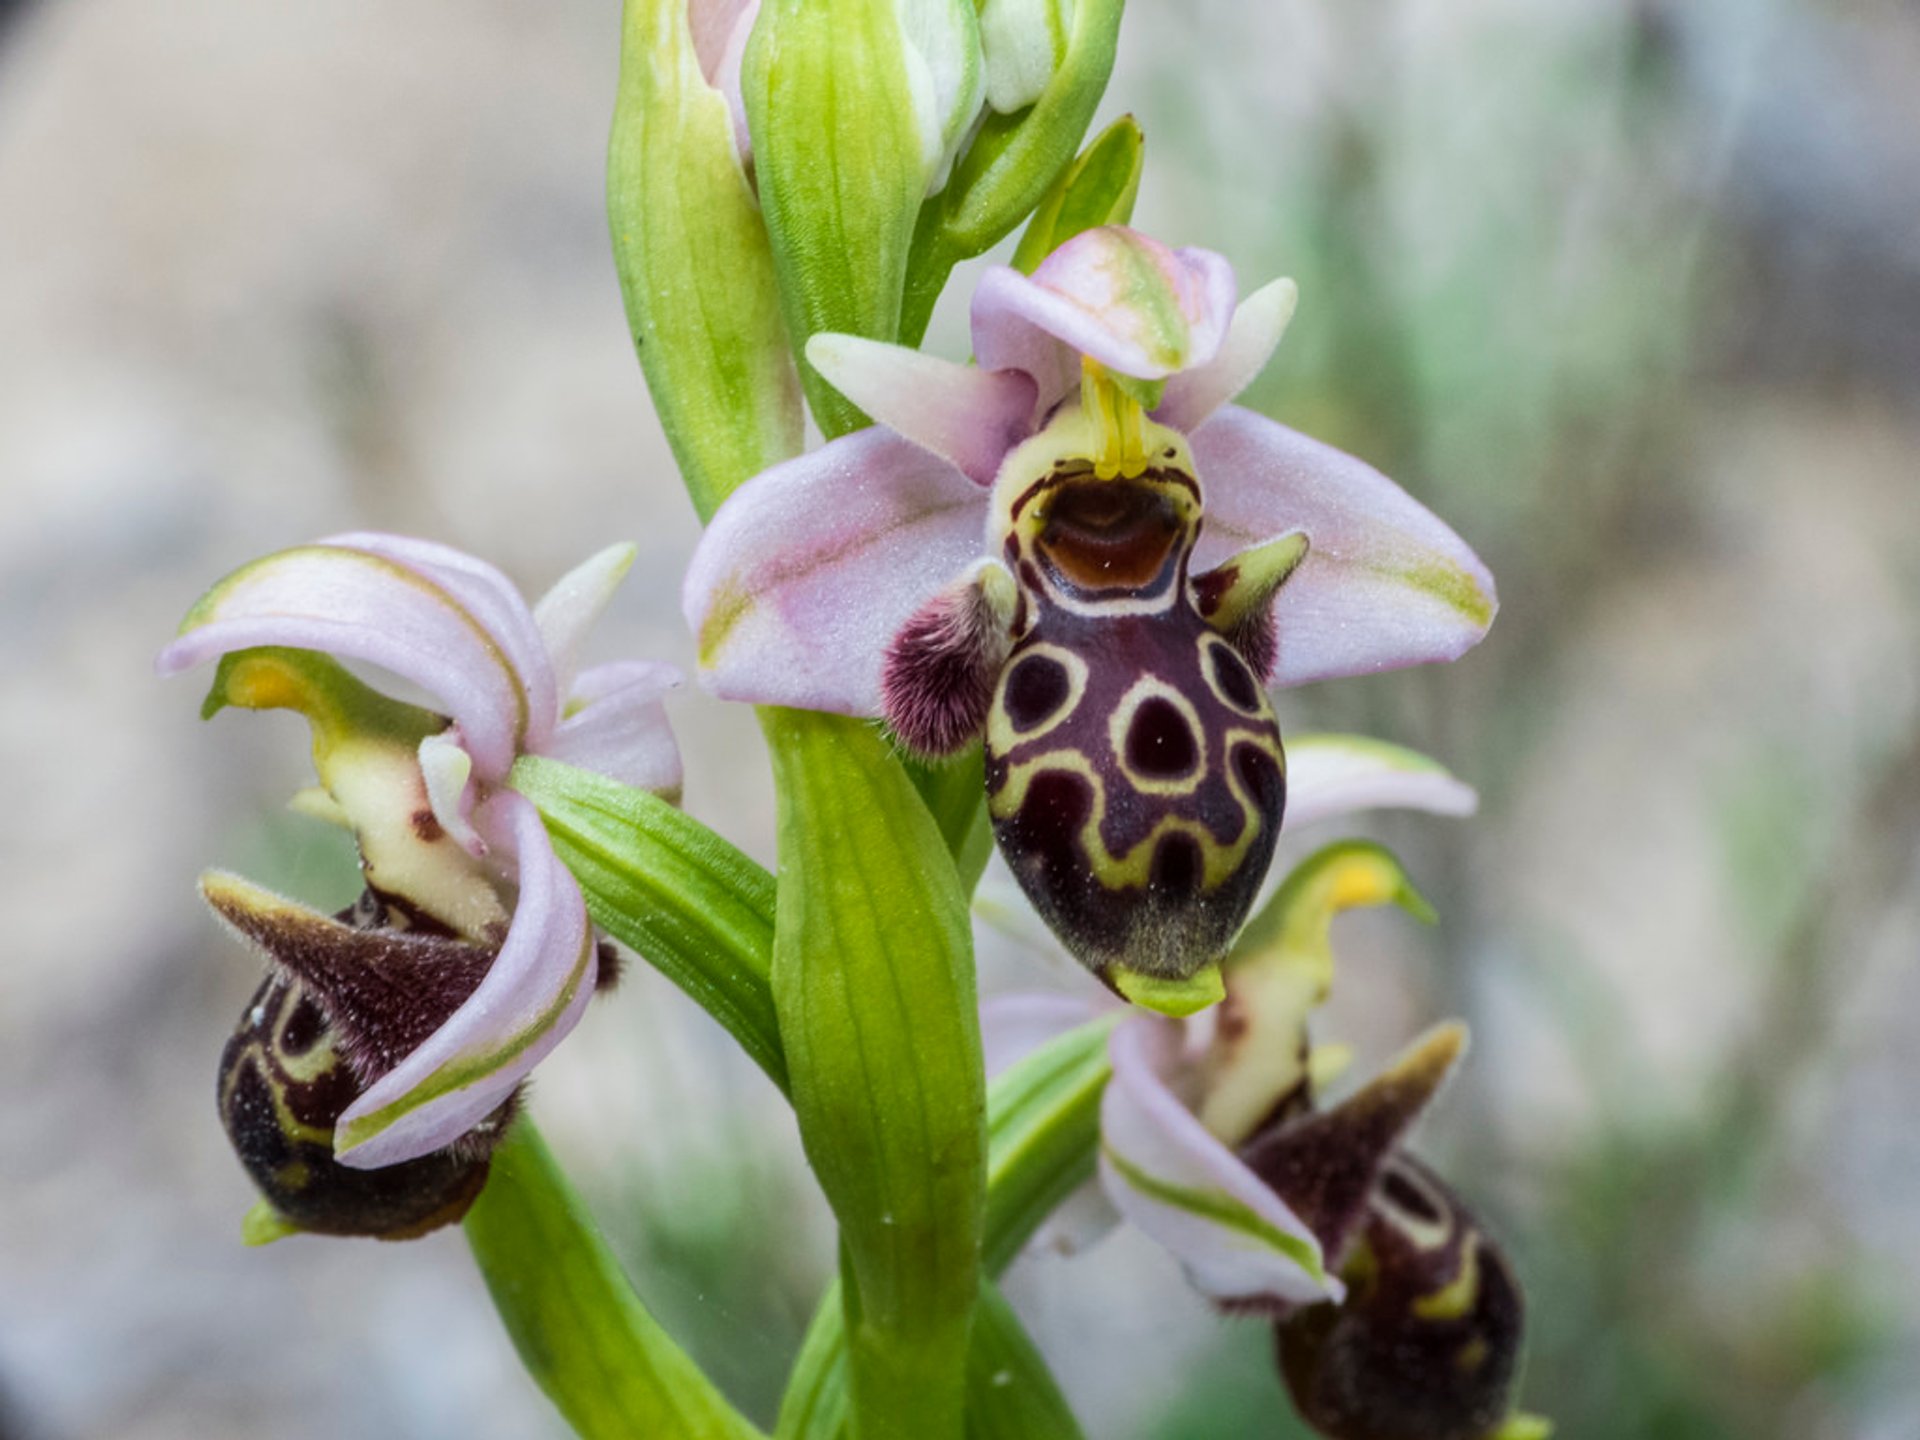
[
  {"x": 1397, "y": 1315},
  {"x": 472, "y": 955},
  {"x": 1078, "y": 551}
]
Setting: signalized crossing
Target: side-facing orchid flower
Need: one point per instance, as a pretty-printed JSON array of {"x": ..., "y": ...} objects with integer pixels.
[
  {"x": 1398, "y": 1318},
  {"x": 403, "y": 1027},
  {"x": 1076, "y": 550}
]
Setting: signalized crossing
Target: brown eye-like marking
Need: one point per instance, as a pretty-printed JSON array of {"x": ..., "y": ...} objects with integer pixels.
[
  {"x": 1229, "y": 678},
  {"x": 1038, "y": 691},
  {"x": 1258, "y": 772},
  {"x": 1178, "y": 867},
  {"x": 1157, "y": 739},
  {"x": 1108, "y": 534}
]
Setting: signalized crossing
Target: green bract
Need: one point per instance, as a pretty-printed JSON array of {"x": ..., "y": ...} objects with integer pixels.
[
  {"x": 1097, "y": 189},
  {"x": 855, "y": 107}
]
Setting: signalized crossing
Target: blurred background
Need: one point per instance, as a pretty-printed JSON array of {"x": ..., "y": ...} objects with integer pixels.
[{"x": 1629, "y": 293}]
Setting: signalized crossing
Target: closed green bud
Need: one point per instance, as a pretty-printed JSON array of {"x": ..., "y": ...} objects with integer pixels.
[
  {"x": 691, "y": 247},
  {"x": 1047, "y": 63},
  {"x": 856, "y": 108}
]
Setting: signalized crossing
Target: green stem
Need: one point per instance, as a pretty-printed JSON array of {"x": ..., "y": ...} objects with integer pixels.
[
  {"x": 582, "y": 1332},
  {"x": 873, "y": 984}
]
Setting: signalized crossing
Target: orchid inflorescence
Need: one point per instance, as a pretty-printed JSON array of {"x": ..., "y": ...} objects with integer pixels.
[{"x": 1064, "y": 576}]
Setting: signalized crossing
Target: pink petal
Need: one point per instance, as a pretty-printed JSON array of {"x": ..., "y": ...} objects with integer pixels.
[
  {"x": 567, "y": 611},
  {"x": 492, "y": 600},
  {"x": 619, "y": 728},
  {"x": 362, "y": 606},
  {"x": 1386, "y": 583},
  {"x": 1259, "y": 322},
  {"x": 810, "y": 568},
  {"x": 1329, "y": 775},
  {"x": 724, "y": 76},
  {"x": 533, "y": 995},
  {"x": 1112, "y": 294},
  {"x": 713, "y": 24},
  {"x": 1238, "y": 1241},
  {"x": 1014, "y": 1026},
  {"x": 967, "y": 416}
]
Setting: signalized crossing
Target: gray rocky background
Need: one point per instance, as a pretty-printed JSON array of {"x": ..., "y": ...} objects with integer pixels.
[{"x": 1629, "y": 293}]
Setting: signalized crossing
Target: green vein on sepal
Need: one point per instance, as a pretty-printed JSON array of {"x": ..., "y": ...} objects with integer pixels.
[
  {"x": 659, "y": 881},
  {"x": 582, "y": 1332}
]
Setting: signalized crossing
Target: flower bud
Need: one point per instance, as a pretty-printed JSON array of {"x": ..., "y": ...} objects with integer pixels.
[
  {"x": 1016, "y": 155},
  {"x": 856, "y": 108},
  {"x": 691, "y": 248},
  {"x": 1025, "y": 42}
]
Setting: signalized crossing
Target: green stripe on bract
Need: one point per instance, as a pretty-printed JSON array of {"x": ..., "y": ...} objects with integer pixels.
[
  {"x": 1223, "y": 1210},
  {"x": 464, "y": 1071}
]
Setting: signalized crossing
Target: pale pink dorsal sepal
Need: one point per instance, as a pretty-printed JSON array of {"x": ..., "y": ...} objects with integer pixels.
[
  {"x": 966, "y": 415},
  {"x": 1236, "y": 1239},
  {"x": 1112, "y": 295},
  {"x": 618, "y": 727},
  {"x": 535, "y": 992},
  {"x": 567, "y": 611},
  {"x": 1333, "y": 775},
  {"x": 809, "y": 570},
  {"x": 1259, "y": 322},
  {"x": 492, "y": 600},
  {"x": 1386, "y": 582},
  {"x": 360, "y": 605}
]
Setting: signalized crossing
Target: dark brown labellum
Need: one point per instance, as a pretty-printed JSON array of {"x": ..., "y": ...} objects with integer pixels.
[
  {"x": 1427, "y": 1344},
  {"x": 284, "y": 1082},
  {"x": 1135, "y": 795}
]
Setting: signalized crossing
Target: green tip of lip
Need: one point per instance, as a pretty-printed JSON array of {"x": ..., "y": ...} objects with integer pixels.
[
  {"x": 1178, "y": 998},
  {"x": 262, "y": 1225}
]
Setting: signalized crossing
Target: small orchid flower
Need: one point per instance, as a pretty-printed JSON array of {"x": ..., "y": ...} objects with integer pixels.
[
  {"x": 1078, "y": 551},
  {"x": 1250, "y": 1056},
  {"x": 472, "y": 955},
  {"x": 1397, "y": 1316}
]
